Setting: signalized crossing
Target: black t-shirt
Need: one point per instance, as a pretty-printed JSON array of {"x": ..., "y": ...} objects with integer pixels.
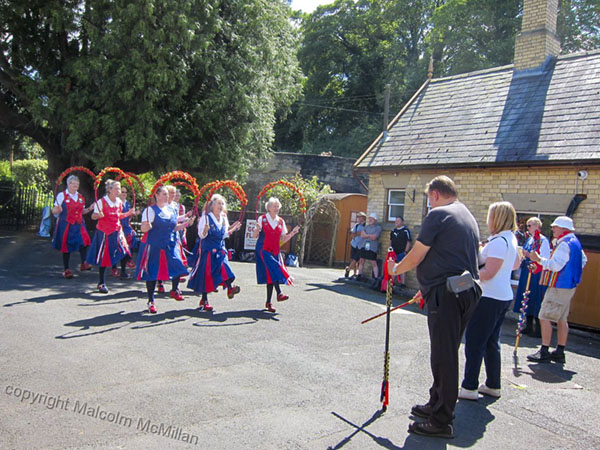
[
  {"x": 452, "y": 234},
  {"x": 399, "y": 238}
]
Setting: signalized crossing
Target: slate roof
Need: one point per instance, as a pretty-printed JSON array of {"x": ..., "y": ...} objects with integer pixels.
[{"x": 499, "y": 117}]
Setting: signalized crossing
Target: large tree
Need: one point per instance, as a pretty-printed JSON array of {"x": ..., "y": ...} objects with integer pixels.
[
  {"x": 350, "y": 50},
  {"x": 145, "y": 84},
  {"x": 469, "y": 35}
]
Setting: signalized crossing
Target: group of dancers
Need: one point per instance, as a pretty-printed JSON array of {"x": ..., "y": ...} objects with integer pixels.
[{"x": 161, "y": 250}]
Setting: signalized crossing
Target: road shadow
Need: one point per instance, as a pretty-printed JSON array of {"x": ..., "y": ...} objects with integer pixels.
[
  {"x": 96, "y": 297},
  {"x": 365, "y": 294},
  {"x": 379, "y": 440},
  {"x": 141, "y": 319}
]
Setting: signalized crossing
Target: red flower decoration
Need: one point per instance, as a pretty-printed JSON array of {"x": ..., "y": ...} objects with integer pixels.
[
  {"x": 234, "y": 186},
  {"x": 70, "y": 170},
  {"x": 286, "y": 184}
]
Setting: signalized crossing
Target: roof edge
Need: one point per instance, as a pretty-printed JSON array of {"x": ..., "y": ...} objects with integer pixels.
[{"x": 490, "y": 165}]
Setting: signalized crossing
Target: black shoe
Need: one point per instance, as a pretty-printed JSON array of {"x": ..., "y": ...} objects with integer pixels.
[
  {"x": 347, "y": 273},
  {"x": 540, "y": 356},
  {"x": 422, "y": 411},
  {"x": 430, "y": 429},
  {"x": 359, "y": 277},
  {"x": 558, "y": 357},
  {"x": 124, "y": 276}
]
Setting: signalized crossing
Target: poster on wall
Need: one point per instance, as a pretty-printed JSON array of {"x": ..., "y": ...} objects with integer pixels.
[{"x": 249, "y": 241}]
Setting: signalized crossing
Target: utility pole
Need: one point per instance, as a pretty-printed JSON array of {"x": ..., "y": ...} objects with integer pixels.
[{"x": 386, "y": 113}]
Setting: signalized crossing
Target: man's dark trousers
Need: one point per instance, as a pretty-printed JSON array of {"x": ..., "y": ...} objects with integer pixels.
[{"x": 447, "y": 318}]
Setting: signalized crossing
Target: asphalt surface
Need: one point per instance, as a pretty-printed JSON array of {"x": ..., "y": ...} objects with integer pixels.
[{"x": 82, "y": 370}]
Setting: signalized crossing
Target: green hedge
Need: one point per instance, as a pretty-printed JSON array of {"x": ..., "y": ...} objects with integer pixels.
[{"x": 32, "y": 172}]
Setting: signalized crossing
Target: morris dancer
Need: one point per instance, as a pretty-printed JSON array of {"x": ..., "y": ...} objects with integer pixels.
[
  {"x": 70, "y": 234},
  {"x": 172, "y": 203},
  {"x": 130, "y": 234},
  {"x": 181, "y": 235},
  {"x": 212, "y": 265},
  {"x": 536, "y": 291},
  {"x": 270, "y": 268},
  {"x": 109, "y": 245},
  {"x": 158, "y": 258},
  {"x": 562, "y": 274}
]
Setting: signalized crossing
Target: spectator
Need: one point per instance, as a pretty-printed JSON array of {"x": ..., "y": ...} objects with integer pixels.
[
  {"x": 562, "y": 273},
  {"x": 400, "y": 241},
  {"x": 446, "y": 246},
  {"x": 482, "y": 336},
  {"x": 370, "y": 234},
  {"x": 356, "y": 244}
]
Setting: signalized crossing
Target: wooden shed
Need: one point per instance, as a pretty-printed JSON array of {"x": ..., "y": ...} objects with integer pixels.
[{"x": 348, "y": 205}]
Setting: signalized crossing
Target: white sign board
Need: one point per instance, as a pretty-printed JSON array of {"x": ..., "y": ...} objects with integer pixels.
[{"x": 249, "y": 241}]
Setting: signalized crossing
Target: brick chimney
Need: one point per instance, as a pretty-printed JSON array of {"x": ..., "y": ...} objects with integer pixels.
[{"x": 537, "y": 39}]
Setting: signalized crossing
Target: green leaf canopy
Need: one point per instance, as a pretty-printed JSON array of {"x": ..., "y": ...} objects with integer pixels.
[{"x": 147, "y": 85}]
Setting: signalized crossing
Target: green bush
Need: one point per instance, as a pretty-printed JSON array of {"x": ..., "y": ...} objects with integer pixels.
[
  {"x": 5, "y": 173},
  {"x": 32, "y": 172}
]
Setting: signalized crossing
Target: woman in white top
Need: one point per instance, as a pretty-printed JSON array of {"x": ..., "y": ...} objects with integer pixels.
[
  {"x": 499, "y": 258},
  {"x": 212, "y": 264}
]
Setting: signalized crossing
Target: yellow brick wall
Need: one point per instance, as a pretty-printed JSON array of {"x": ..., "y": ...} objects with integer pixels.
[{"x": 478, "y": 188}]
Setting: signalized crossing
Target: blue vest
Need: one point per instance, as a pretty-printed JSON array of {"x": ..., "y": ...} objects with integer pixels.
[{"x": 570, "y": 275}]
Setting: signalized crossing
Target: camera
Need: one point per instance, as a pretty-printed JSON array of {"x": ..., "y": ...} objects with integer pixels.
[{"x": 582, "y": 174}]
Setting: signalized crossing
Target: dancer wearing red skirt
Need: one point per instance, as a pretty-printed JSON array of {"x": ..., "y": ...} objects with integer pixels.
[
  {"x": 270, "y": 268},
  {"x": 109, "y": 245},
  {"x": 70, "y": 234}
]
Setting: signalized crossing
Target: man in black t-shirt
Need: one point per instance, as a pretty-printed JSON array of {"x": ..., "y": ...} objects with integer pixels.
[
  {"x": 400, "y": 241},
  {"x": 447, "y": 245}
]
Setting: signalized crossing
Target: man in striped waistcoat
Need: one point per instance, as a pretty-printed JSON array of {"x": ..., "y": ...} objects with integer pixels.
[{"x": 562, "y": 274}]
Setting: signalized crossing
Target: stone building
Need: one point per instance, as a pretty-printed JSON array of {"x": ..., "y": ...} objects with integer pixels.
[{"x": 528, "y": 133}]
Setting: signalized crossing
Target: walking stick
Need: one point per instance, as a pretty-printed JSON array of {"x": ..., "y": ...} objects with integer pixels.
[
  {"x": 416, "y": 299},
  {"x": 385, "y": 386},
  {"x": 523, "y": 310}
]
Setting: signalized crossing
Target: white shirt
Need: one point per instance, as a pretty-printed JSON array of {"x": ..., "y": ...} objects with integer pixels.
[
  {"x": 560, "y": 257},
  {"x": 61, "y": 197},
  {"x": 499, "y": 287},
  {"x": 222, "y": 222},
  {"x": 98, "y": 204},
  {"x": 148, "y": 214}
]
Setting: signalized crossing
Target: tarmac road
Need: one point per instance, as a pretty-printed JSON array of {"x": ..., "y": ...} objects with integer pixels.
[{"x": 82, "y": 370}]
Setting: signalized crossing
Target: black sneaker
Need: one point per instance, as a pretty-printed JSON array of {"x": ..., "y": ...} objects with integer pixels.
[
  {"x": 430, "y": 429},
  {"x": 540, "y": 356},
  {"x": 558, "y": 357},
  {"x": 422, "y": 411},
  {"x": 347, "y": 273}
]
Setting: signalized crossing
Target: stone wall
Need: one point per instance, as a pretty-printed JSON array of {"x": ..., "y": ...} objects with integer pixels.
[{"x": 333, "y": 170}]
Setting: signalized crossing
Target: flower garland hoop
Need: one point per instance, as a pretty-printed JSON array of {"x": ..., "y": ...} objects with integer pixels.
[
  {"x": 120, "y": 174},
  {"x": 139, "y": 182},
  {"x": 214, "y": 186},
  {"x": 289, "y": 185},
  {"x": 66, "y": 172},
  {"x": 178, "y": 178}
]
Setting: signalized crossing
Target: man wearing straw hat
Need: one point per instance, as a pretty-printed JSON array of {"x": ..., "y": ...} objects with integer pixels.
[{"x": 562, "y": 274}]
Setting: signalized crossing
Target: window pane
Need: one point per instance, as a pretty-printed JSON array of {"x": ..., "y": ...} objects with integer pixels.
[
  {"x": 396, "y": 197},
  {"x": 395, "y": 211}
]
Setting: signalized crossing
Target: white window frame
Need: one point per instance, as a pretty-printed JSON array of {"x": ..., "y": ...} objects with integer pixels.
[{"x": 391, "y": 218}]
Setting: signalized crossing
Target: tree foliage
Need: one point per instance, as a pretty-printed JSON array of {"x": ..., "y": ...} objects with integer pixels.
[
  {"x": 147, "y": 85},
  {"x": 351, "y": 49}
]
